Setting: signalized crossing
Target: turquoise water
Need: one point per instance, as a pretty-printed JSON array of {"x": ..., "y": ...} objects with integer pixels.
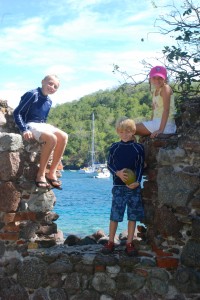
[{"x": 84, "y": 205}]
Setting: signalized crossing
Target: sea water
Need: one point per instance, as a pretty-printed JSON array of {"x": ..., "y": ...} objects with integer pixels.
[{"x": 84, "y": 204}]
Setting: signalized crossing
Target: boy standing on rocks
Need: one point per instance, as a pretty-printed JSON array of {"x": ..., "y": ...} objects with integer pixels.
[
  {"x": 125, "y": 154},
  {"x": 30, "y": 116}
]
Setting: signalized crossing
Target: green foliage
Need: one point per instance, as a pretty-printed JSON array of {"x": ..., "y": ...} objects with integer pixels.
[
  {"x": 184, "y": 56},
  {"x": 75, "y": 118}
]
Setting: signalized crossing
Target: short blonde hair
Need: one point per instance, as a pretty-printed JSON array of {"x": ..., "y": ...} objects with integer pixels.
[
  {"x": 50, "y": 76},
  {"x": 125, "y": 123}
]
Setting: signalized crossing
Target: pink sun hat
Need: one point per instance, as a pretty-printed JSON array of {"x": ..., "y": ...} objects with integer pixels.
[{"x": 158, "y": 71}]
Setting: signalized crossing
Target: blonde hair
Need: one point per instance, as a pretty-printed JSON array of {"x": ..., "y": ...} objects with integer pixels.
[
  {"x": 125, "y": 123},
  {"x": 50, "y": 76}
]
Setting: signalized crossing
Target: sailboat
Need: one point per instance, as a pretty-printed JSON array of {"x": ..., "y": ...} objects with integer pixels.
[
  {"x": 104, "y": 173},
  {"x": 91, "y": 170}
]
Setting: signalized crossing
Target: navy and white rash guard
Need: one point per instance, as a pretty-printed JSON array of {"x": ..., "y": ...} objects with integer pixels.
[
  {"x": 126, "y": 155},
  {"x": 33, "y": 107}
]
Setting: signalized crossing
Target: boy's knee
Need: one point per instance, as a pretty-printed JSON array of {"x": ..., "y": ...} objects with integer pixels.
[
  {"x": 64, "y": 137},
  {"x": 49, "y": 138}
]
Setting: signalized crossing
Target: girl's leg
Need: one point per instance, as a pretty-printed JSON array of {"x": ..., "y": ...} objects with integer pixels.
[{"x": 141, "y": 130}]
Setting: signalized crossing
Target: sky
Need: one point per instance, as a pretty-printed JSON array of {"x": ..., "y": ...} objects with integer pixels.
[{"x": 80, "y": 41}]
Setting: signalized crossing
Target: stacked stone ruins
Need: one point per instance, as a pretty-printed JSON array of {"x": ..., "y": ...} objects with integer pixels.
[{"x": 37, "y": 263}]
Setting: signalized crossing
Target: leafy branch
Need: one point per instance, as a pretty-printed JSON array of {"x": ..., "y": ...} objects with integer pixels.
[{"x": 182, "y": 59}]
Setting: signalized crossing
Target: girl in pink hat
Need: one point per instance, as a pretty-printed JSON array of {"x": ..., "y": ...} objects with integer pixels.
[{"x": 162, "y": 120}]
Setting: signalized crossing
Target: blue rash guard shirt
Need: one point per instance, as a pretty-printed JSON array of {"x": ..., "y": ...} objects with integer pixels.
[
  {"x": 33, "y": 107},
  {"x": 128, "y": 155}
]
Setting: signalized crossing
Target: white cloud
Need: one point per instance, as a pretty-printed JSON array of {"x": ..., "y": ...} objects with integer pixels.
[
  {"x": 83, "y": 4},
  {"x": 93, "y": 26},
  {"x": 79, "y": 41}
]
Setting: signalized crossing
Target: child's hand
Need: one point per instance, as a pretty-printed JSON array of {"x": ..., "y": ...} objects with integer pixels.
[
  {"x": 133, "y": 185},
  {"x": 122, "y": 175},
  {"x": 155, "y": 133},
  {"x": 27, "y": 135}
]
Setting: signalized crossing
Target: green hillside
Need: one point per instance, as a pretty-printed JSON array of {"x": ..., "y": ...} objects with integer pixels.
[{"x": 75, "y": 118}]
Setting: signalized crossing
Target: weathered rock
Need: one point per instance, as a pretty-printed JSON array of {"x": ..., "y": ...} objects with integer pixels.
[
  {"x": 41, "y": 202},
  {"x": 190, "y": 256},
  {"x": 32, "y": 273},
  {"x": 102, "y": 282},
  {"x": 10, "y": 289},
  {"x": 60, "y": 267},
  {"x": 28, "y": 230},
  {"x": 47, "y": 229},
  {"x": 10, "y": 197},
  {"x": 10, "y": 168},
  {"x": 175, "y": 185},
  {"x": 130, "y": 281},
  {"x": 2, "y": 119},
  {"x": 170, "y": 156},
  {"x": 171, "y": 226},
  {"x": 11, "y": 266},
  {"x": 55, "y": 280},
  {"x": 188, "y": 280},
  {"x": 105, "y": 260},
  {"x": 88, "y": 258},
  {"x": 46, "y": 242},
  {"x": 124, "y": 296},
  {"x": 40, "y": 294},
  {"x": 2, "y": 248},
  {"x": 85, "y": 295},
  {"x": 30, "y": 171},
  {"x": 88, "y": 240},
  {"x": 147, "y": 294},
  {"x": 113, "y": 271},
  {"x": 99, "y": 234},
  {"x": 106, "y": 297},
  {"x": 196, "y": 228},
  {"x": 158, "y": 286},
  {"x": 71, "y": 240},
  {"x": 10, "y": 142},
  {"x": 57, "y": 294},
  {"x": 84, "y": 269},
  {"x": 72, "y": 282}
]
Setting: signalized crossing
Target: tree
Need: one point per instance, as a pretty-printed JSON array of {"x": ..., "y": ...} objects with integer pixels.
[{"x": 183, "y": 59}]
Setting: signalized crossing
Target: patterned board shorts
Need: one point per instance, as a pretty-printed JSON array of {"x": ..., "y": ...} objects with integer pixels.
[{"x": 125, "y": 197}]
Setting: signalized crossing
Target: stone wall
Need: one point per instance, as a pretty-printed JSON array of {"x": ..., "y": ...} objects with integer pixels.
[
  {"x": 25, "y": 211},
  {"x": 36, "y": 264}
]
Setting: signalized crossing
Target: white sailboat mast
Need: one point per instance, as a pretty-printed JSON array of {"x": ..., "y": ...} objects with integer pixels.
[{"x": 93, "y": 152}]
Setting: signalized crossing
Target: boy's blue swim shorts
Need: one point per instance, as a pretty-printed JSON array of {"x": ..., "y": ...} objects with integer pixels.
[{"x": 123, "y": 197}]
